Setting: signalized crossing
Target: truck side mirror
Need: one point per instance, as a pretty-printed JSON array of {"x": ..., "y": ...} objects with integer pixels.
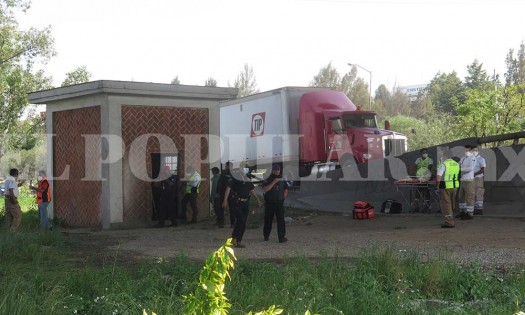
[{"x": 387, "y": 124}]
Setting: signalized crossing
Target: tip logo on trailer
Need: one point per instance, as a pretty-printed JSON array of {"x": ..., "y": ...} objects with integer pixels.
[{"x": 257, "y": 124}]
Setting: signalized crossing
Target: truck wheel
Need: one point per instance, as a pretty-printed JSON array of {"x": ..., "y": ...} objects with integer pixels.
[{"x": 347, "y": 160}]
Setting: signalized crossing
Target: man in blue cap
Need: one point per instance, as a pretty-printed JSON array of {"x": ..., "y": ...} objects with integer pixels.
[{"x": 275, "y": 191}]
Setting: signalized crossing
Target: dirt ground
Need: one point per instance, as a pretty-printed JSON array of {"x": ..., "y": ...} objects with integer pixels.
[{"x": 493, "y": 242}]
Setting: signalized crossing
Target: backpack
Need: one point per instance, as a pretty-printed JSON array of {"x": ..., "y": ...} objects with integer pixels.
[
  {"x": 391, "y": 206},
  {"x": 363, "y": 210}
]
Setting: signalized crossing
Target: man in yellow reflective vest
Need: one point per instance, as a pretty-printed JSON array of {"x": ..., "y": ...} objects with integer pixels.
[
  {"x": 447, "y": 183},
  {"x": 191, "y": 192},
  {"x": 424, "y": 166},
  {"x": 43, "y": 197}
]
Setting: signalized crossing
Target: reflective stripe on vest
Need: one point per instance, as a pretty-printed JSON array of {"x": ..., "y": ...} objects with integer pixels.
[
  {"x": 189, "y": 184},
  {"x": 451, "y": 176},
  {"x": 39, "y": 196}
]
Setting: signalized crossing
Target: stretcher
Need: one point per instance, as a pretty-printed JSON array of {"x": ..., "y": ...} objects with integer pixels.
[{"x": 418, "y": 195}]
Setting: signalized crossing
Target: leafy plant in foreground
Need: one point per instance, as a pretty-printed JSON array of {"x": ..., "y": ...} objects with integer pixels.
[{"x": 209, "y": 297}]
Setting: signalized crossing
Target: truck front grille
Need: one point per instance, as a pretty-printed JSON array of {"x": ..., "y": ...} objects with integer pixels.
[{"x": 394, "y": 147}]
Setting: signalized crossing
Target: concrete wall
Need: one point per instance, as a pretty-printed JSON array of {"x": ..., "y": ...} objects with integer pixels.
[
  {"x": 110, "y": 97},
  {"x": 62, "y": 105},
  {"x": 338, "y": 190},
  {"x": 115, "y": 186}
]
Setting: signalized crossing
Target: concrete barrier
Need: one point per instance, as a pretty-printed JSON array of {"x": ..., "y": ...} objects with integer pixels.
[{"x": 337, "y": 190}]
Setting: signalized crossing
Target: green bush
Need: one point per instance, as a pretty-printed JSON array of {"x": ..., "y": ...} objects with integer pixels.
[{"x": 425, "y": 133}]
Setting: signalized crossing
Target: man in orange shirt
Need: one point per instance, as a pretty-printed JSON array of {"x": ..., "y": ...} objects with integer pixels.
[{"x": 43, "y": 197}]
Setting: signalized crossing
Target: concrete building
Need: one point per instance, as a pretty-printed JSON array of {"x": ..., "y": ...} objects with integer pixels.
[{"x": 107, "y": 139}]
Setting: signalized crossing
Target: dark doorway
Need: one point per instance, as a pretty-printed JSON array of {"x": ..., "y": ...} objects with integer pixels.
[{"x": 157, "y": 161}]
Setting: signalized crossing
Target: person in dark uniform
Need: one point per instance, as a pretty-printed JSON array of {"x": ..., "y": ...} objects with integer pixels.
[
  {"x": 240, "y": 188},
  {"x": 275, "y": 191},
  {"x": 221, "y": 188},
  {"x": 215, "y": 198},
  {"x": 168, "y": 197}
]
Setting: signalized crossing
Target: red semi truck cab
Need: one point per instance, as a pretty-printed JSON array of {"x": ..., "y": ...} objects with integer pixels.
[
  {"x": 335, "y": 130},
  {"x": 302, "y": 128}
]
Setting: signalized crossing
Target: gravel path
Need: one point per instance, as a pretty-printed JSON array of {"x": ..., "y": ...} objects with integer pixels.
[{"x": 492, "y": 242}]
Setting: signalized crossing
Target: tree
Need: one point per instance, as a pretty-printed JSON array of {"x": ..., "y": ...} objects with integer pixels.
[
  {"x": 21, "y": 51},
  {"x": 27, "y": 132},
  {"x": 245, "y": 82},
  {"x": 354, "y": 87},
  {"x": 382, "y": 93},
  {"x": 77, "y": 76},
  {"x": 25, "y": 160},
  {"x": 478, "y": 116},
  {"x": 391, "y": 104},
  {"x": 399, "y": 104},
  {"x": 422, "y": 107},
  {"x": 327, "y": 77},
  {"x": 175, "y": 80},
  {"x": 477, "y": 77},
  {"x": 446, "y": 91},
  {"x": 425, "y": 133},
  {"x": 210, "y": 82},
  {"x": 515, "y": 74},
  {"x": 382, "y": 97}
]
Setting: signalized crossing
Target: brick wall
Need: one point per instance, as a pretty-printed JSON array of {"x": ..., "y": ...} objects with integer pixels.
[
  {"x": 76, "y": 202},
  {"x": 172, "y": 122}
]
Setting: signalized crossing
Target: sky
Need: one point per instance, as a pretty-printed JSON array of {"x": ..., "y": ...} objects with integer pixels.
[{"x": 287, "y": 42}]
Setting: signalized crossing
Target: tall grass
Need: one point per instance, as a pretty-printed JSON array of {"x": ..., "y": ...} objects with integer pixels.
[
  {"x": 27, "y": 202},
  {"x": 39, "y": 275}
]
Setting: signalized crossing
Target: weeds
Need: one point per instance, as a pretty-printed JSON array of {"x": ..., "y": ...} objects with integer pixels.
[{"x": 40, "y": 276}]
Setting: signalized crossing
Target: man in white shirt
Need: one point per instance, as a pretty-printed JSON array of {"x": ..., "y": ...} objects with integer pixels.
[
  {"x": 479, "y": 171},
  {"x": 13, "y": 212},
  {"x": 466, "y": 187}
]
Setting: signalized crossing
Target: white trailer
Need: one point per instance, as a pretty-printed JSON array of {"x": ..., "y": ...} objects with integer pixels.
[{"x": 262, "y": 128}]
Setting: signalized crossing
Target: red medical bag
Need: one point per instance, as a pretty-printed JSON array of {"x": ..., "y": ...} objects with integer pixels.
[{"x": 363, "y": 210}]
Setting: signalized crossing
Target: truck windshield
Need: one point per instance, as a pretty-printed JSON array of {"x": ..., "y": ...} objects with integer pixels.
[{"x": 359, "y": 121}]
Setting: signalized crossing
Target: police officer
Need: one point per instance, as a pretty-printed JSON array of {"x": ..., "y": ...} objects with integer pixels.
[
  {"x": 275, "y": 191},
  {"x": 168, "y": 197},
  {"x": 215, "y": 198},
  {"x": 240, "y": 188},
  {"x": 221, "y": 188},
  {"x": 447, "y": 183},
  {"x": 191, "y": 193}
]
